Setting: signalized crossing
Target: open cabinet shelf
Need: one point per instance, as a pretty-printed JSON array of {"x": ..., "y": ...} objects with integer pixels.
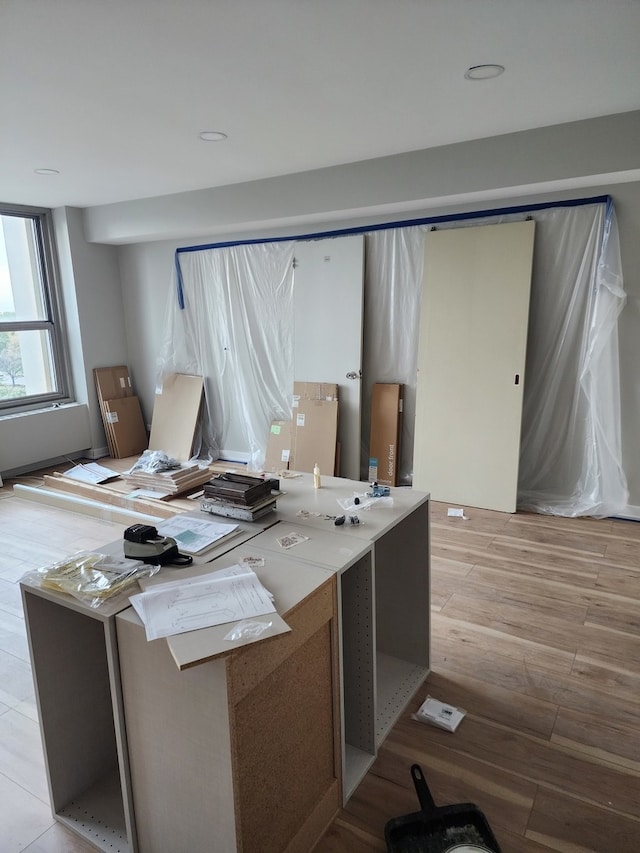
[{"x": 77, "y": 682}]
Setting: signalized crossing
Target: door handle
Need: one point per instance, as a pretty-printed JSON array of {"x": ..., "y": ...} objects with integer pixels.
[{"x": 354, "y": 374}]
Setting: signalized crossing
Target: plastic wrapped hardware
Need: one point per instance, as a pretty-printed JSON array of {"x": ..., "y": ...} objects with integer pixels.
[{"x": 91, "y": 577}]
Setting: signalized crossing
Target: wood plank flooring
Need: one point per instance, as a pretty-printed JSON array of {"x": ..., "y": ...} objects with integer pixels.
[{"x": 536, "y": 634}]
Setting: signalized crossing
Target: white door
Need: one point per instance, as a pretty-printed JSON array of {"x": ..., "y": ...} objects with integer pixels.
[
  {"x": 471, "y": 359},
  {"x": 328, "y": 297}
]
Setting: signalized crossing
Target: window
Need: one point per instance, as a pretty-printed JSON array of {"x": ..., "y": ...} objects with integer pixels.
[{"x": 33, "y": 369}]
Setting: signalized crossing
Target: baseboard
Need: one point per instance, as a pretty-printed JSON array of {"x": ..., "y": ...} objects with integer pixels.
[
  {"x": 97, "y": 452},
  {"x": 630, "y": 513}
]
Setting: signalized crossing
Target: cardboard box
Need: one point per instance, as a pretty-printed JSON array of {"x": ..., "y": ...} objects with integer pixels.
[
  {"x": 315, "y": 433},
  {"x": 314, "y": 391},
  {"x": 279, "y": 443},
  {"x": 124, "y": 418},
  {"x": 386, "y": 430},
  {"x": 314, "y": 413},
  {"x": 112, "y": 383}
]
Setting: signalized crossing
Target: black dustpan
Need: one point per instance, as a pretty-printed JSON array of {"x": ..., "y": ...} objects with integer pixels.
[{"x": 438, "y": 829}]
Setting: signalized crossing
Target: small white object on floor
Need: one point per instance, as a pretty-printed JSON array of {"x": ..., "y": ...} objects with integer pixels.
[
  {"x": 439, "y": 714},
  {"x": 457, "y": 512}
]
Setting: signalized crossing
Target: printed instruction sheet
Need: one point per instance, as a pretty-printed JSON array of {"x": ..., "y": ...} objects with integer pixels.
[{"x": 213, "y": 599}]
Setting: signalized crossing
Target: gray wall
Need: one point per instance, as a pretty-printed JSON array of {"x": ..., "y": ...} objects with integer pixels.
[
  {"x": 117, "y": 293},
  {"x": 146, "y": 273}
]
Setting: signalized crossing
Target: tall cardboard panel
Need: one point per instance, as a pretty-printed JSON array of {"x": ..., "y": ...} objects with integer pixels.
[{"x": 386, "y": 430}]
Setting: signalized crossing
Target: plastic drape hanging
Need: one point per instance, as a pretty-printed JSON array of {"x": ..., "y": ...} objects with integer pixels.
[
  {"x": 236, "y": 330},
  {"x": 570, "y": 461},
  {"x": 571, "y": 458},
  {"x": 392, "y": 288}
]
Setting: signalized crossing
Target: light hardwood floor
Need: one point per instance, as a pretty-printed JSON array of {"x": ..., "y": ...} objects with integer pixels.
[{"x": 536, "y": 634}]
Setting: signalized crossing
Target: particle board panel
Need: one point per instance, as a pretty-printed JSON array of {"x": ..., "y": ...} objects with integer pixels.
[
  {"x": 178, "y": 731},
  {"x": 74, "y": 723},
  {"x": 175, "y": 415},
  {"x": 284, "y": 746},
  {"x": 253, "y": 664},
  {"x": 358, "y": 655},
  {"x": 471, "y": 363},
  {"x": 402, "y": 593}
]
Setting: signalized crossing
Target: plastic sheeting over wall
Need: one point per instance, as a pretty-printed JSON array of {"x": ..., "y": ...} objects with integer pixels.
[
  {"x": 236, "y": 329},
  {"x": 570, "y": 459}
]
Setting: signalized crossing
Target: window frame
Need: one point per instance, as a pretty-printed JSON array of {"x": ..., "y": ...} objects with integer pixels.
[{"x": 53, "y": 323}]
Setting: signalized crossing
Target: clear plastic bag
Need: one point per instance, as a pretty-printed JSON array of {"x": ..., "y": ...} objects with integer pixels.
[
  {"x": 91, "y": 577},
  {"x": 154, "y": 462},
  {"x": 247, "y": 630},
  {"x": 362, "y": 501}
]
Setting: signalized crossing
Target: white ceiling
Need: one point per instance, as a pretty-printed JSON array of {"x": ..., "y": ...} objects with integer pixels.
[{"x": 113, "y": 93}]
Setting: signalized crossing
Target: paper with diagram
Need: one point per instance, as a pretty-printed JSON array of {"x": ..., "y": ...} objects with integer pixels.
[
  {"x": 196, "y": 535},
  {"x": 213, "y": 599}
]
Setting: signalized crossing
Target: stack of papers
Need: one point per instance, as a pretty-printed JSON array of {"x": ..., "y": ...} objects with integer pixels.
[
  {"x": 195, "y": 536},
  {"x": 213, "y": 599},
  {"x": 91, "y": 472}
]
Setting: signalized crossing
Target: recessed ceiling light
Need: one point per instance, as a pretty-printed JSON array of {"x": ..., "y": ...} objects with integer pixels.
[
  {"x": 46, "y": 171},
  {"x": 483, "y": 72},
  {"x": 212, "y": 136}
]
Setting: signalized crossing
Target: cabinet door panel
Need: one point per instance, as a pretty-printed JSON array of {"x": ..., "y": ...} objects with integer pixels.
[
  {"x": 471, "y": 361},
  {"x": 286, "y": 733}
]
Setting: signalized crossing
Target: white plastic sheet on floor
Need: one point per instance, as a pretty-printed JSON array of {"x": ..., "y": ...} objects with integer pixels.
[{"x": 236, "y": 329}]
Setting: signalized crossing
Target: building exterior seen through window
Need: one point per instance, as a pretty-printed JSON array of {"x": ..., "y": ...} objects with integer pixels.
[{"x": 33, "y": 368}]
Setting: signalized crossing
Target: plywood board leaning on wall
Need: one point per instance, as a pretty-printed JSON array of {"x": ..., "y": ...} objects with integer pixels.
[
  {"x": 175, "y": 415},
  {"x": 471, "y": 363}
]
